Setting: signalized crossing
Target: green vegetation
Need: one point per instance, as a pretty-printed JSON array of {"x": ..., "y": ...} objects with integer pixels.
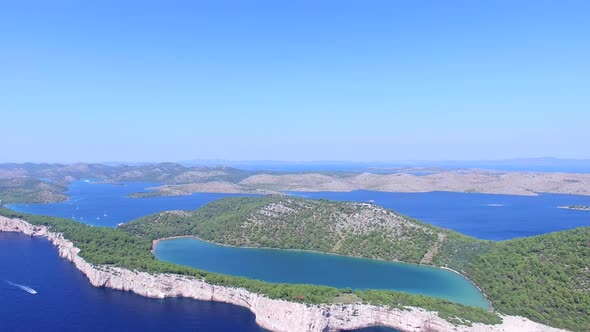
[
  {"x": 545, "y": 278},
  {"x": 458, "y": 250},
  {"x": 107, "y": 246},
  {"x": 353, "y": 229},
  {"x": 29, "y": 190}
]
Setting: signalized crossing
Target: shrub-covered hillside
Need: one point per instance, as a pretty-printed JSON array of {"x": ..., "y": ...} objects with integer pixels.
[
  {"x": 108, "y": 246},
  {"x": 347, "y": 228},
  {"x": 545, "y": 278},
  {"x": 30, "y": 190}
]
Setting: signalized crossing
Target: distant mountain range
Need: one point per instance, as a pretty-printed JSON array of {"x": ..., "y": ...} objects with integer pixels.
[
  {"x": 42, "y": 183},
  {"x": 544, "y": 164}
]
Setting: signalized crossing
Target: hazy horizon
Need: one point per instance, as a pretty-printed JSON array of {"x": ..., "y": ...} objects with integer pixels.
[{"x": 206, "y": 161}]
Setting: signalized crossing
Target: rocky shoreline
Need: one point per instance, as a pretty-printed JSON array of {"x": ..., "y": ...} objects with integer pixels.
[{"x": 275, "y": 315}]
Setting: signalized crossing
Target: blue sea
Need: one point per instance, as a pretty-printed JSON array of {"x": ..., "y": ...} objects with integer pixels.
[
  {"x": 67, "y": 302},
  {"x": 484, "y": 216},
  {"x": 107, "y": 205}
]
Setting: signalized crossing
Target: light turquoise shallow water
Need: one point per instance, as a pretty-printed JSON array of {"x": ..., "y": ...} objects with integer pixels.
[{"x": 286, "y": 266}]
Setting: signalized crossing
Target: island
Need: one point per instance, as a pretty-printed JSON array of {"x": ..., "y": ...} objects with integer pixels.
[
  {"x": 575, "y": 207},
  {"x": 44, "y": 183},
  {"x": 511, "y": 274},
  {"x": 29, "y": 190}
]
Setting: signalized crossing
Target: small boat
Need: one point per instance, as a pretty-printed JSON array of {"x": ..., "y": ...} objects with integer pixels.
[{"x": 23, "y": 287}]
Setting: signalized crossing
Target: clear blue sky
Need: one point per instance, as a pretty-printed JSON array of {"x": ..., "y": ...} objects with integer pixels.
[{"x": 293, "y": 80}]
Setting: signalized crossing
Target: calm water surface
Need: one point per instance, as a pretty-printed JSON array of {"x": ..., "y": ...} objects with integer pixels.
[
  {"x": 107, "y": 205},
  {"x": 300, "y": 267},
  {"x": 484, "y": 216}
]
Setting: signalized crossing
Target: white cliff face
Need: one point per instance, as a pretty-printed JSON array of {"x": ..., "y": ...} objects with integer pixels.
[{"x": 275, "y": 315}]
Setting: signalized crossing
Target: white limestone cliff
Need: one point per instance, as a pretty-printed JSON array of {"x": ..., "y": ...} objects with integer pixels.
[{"x": 275, "y": 315}]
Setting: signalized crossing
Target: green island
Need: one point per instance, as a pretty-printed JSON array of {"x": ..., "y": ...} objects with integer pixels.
[
  {"x": 544, "y": 278},
  {"x": 30, "y": 190}
]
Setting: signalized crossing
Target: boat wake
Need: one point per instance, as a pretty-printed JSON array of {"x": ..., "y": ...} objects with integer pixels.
[{"x": 23, "y": 287}]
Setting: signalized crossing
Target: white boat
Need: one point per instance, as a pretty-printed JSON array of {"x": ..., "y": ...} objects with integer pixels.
[{"x": 23, "y": 287}]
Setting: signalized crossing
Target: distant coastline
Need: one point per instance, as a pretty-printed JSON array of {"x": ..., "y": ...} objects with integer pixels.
[{"x": 45, "y": 183}]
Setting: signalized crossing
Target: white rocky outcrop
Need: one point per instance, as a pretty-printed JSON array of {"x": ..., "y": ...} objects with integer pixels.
[{"x": 275, "y": 315}]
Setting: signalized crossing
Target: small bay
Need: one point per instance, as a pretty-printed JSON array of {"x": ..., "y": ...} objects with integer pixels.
[{"x": 107, "y": 204}]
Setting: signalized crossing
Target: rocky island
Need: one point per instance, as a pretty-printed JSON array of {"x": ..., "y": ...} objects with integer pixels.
[
  {"x": 22, "y": 182},
  {"x": 121, "y": 259}
]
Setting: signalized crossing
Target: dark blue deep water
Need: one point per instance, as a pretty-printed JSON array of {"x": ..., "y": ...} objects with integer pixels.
[
  {"x": 484, "y": 216},
  {"x": 67, "y": 302}
]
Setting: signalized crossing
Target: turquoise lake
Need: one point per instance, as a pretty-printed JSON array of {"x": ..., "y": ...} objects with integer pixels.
[{"x": 301, "y": 267}]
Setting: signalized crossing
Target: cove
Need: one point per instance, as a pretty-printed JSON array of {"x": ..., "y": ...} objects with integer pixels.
[
  {"x": 303, "y": 267},
  {"x": 108, "y": 204}
]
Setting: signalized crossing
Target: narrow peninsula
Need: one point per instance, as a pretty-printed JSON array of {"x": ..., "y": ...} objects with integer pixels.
[{"x": 505, "y": 271}]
